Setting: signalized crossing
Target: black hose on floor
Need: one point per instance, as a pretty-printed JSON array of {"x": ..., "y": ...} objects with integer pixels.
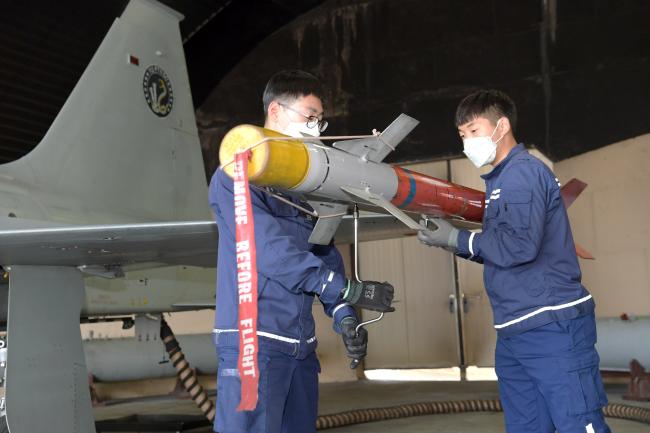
[
  {"x": 624, "y": 411},
  {"x": 186, "y": 375},
  {"x": 404, "y": 411},
  {"x": 360, "y": 416},
  {"x": 632, "y": 413}
]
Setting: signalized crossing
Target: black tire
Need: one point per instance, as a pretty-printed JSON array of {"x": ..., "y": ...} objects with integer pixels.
[{"x": 3, "y": 425}]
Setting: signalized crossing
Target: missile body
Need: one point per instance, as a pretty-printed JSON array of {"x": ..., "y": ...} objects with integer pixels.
[{"x": 308, "y": 167}]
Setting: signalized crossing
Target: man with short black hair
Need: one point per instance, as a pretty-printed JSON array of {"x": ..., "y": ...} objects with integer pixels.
[
  {"x": 546, "y": 359},
  {"x": 293, "y": 104},
  {"x": 291, "y": 273}
]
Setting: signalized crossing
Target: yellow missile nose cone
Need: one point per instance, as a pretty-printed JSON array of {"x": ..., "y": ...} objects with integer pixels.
[
  {"x": 273, "y": 163},
  {"x": 241, "y": 138}
]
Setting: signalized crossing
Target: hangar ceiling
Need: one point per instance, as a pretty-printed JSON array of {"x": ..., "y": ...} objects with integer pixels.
[
  {"x": 45, "y": 47},
  {"x": 578, "y": 70}
]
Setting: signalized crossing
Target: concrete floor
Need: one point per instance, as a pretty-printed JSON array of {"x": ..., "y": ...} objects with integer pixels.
[
  {"x": 340, "y": 397},
  {"x": 373, "y": 394}
]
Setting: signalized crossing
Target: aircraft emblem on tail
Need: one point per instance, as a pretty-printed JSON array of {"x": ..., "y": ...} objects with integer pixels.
[{"x": 158, "y": 91}]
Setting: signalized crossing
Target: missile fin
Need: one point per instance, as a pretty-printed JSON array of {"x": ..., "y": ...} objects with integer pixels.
[
  {"x": 380, "y": 201},
  {"x": 375, "y": 149},
  {"x": 393, "y": 135},
  {"x": 583, "y": 253},
  {"x": 571, "y": 191},
  {"x": 330, "y": 215}
]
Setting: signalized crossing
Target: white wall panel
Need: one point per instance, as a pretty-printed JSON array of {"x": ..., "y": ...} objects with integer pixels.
[{"x": 610, "y": 219}]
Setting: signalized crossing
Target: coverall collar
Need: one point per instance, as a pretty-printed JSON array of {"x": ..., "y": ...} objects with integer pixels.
[{"x": 514, "y": 151}]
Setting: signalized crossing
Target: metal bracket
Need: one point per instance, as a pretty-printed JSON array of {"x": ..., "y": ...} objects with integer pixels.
[
  {"x": 453, "y": 305},
  {"x": 377, "y": 200},
  {"x": 147, "y": 327},
  {"x": 103, "y": 271},
  {"x": 356, "y": 264},
  {"x": 285, "y": 200},
  {"x": 639, "y": 387}
]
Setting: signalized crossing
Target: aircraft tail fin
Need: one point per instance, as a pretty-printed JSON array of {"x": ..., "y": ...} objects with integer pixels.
[{"x": 125, "y": 147}]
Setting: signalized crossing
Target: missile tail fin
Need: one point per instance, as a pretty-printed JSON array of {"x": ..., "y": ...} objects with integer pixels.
[{"x": 571, "y": 191}]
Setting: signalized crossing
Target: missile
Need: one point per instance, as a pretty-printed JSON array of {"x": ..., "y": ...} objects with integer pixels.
[
  {"x": 348, "y": 171},
  {"x": 352, "y": 170}
]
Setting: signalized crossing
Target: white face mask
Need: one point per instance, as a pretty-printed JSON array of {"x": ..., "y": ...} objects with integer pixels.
[
  {"x": 300, "y": 129},
  {"x": 481, "y": 150}
]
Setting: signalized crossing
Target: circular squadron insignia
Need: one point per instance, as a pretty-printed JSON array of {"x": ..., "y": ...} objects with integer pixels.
[{"x": 158, "y": 91}]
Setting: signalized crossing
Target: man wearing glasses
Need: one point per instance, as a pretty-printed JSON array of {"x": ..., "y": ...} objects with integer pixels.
[
  {"x": 291, "y": 272},
  {"x": 308, "y": 111}
]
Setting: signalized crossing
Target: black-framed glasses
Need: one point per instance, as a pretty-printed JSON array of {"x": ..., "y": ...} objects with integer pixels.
[{"x": 312, "y": 121}]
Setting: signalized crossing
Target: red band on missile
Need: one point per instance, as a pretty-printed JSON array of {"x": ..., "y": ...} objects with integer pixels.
[
  {"x": 246, "y": 284},
  {"x": 416, "y": 192},
  {"x": 435, "y": 197}
]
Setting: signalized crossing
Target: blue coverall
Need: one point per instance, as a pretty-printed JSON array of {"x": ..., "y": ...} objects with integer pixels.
[
  {"x": 546, "y": 359},
  {"x": 291, "y": 272}
]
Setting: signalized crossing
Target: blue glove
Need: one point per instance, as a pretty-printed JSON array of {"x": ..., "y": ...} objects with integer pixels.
[{"x": 445, "y": 236}]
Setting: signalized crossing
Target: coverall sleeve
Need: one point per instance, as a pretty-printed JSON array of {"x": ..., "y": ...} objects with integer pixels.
[
  {"x": 468, "y": 256},
  {"x": 278, "y": 258},
  {"x": 514, "y": 234},
  {"x": 337, "y": 310}
]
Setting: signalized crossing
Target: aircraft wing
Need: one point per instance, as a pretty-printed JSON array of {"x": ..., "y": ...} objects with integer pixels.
[{"x": 192, "y": 243}]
